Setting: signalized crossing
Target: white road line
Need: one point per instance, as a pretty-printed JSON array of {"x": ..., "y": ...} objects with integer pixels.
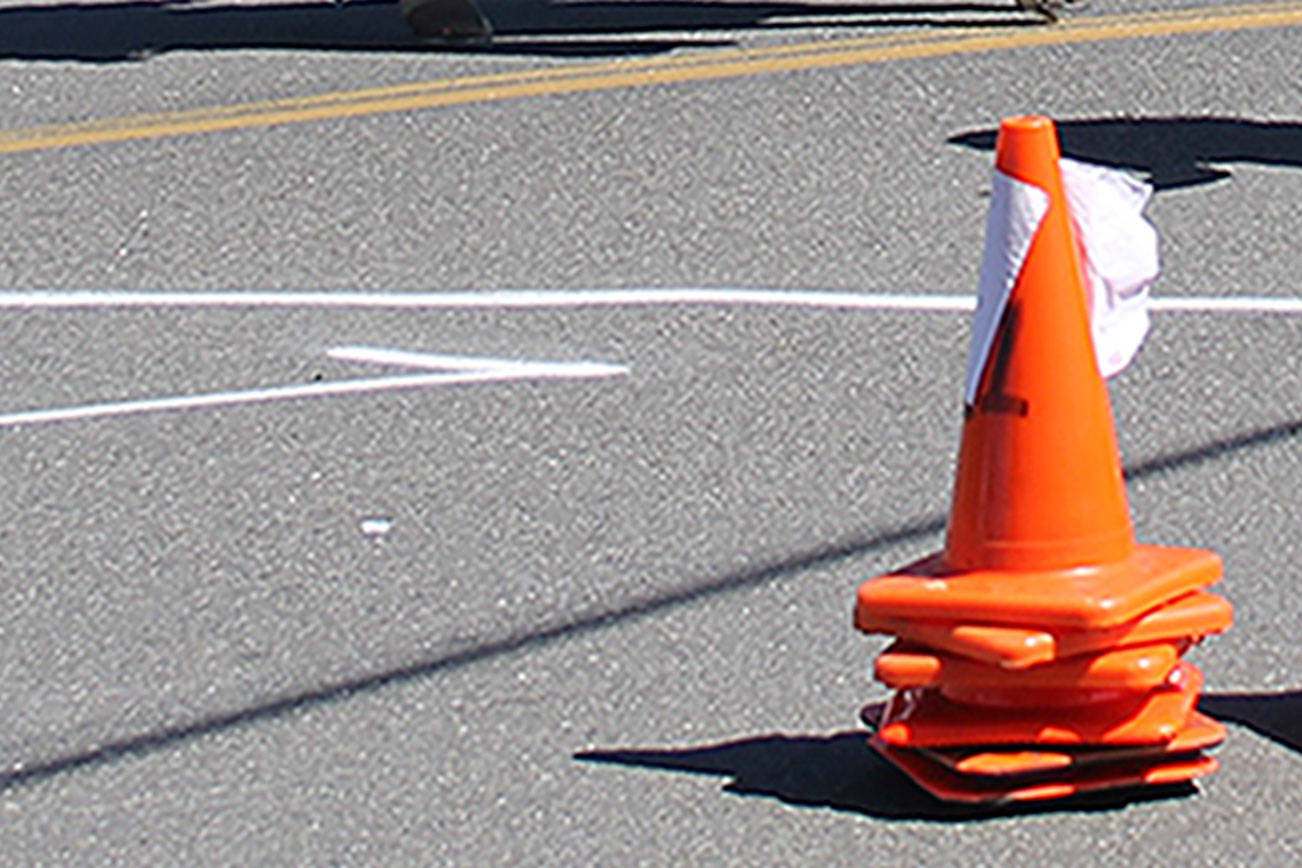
[
  {"x": 442, "y": 362},
  {"x": 283, "y": 393},
  {"x": 492, "y": 299},
  {"x": 1225, "y": 304},
  {"x": 543, "y": 299}
]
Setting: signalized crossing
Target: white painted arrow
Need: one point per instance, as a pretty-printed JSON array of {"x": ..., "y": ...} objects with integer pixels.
[{"x": 452, "y": 371}]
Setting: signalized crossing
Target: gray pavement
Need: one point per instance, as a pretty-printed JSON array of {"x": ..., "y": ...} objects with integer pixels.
[{"x": 610, "y": 621}]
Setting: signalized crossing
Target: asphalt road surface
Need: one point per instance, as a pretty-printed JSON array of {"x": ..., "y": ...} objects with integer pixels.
[{"x": 270, "y": 600}]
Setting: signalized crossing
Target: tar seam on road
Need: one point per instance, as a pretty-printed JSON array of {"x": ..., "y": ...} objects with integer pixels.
[
  {"x": 581, "y": 623},
  {"x": 676, "y": 70}
]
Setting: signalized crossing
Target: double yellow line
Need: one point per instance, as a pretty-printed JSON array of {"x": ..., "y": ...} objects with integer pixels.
[{"x": 704, "y": 66}]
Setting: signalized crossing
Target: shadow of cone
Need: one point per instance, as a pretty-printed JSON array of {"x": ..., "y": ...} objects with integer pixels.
[{"x": 1043, "y": 621}]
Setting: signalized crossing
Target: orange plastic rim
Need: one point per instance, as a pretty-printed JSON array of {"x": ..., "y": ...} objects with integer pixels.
[
  {"x": 1082, "y": 598},
  {"x": 1199, "y": 733},
  {"x": 925, "y": 718},
  {"x": 1141, "y": 667},
  {"x": 1193, "y": 615},
  {"x": 951, "y": 786}
]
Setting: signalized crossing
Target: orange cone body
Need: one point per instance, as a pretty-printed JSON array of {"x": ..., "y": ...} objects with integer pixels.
[
  {"x": 1039, "y": 481},
  {"x": 1042, "y": 622}
]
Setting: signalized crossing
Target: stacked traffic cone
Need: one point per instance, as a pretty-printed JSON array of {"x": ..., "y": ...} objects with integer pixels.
[{"x": 1039, "y": 654}]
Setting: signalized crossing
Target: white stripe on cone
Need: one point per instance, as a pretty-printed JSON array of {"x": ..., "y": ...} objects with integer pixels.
[{"x": 1016, "y": 211}]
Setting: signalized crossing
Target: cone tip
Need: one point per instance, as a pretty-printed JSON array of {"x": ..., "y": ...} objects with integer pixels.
[
  {"x": 1027, "y": 148},
  {"x": 1027, "y": 123}
]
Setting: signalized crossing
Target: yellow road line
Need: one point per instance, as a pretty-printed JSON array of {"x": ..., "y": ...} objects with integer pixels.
[
  {"x": 704, "y": 66},
  {"x": 421, "y": 87}
]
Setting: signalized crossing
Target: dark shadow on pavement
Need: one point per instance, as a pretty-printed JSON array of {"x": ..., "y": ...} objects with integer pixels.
[
  {"x": 579, "y": 623},
  {"x": 1277, "y": 716},
  {"x": 840, "y": 771},
  {"x": 1173, "y": 152},
  {"x": 1213, "y": 449},
  {"x": 112, "y": 32},
  {"x": 593, "y": 16},
  {"x": 575, "y": 624}
]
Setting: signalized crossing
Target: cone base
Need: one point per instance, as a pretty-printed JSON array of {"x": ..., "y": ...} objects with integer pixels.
[
  {"x": 1193, "y": 616},
  {"x": 924, "y": 718},
  {"x": 1199, "y": 733},
  {"x": 1143, "y": 667},
  {"x": 951, "y": 786},
  {"x": 1079, "y": 598}
]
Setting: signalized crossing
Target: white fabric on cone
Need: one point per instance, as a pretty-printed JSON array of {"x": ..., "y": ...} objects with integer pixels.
[
  {"x": 1119, "y": 255},
  {"x": 1118, "y": 249}
]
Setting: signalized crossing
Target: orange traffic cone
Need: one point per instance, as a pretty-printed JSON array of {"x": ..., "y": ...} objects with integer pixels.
[{"x": 1043, "y": 622}]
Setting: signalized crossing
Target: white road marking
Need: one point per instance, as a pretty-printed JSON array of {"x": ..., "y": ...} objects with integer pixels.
[
  {"x": 491, "y": 299},
  {"x": 522, "y": 371},
  {"x": 1226, "y": 304},
  {"x": 441, "y": 362},
  {"x": 458, "y": 370},
  {"x": 544, "y": 299},
  {"x": 376, "y": 526}
]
